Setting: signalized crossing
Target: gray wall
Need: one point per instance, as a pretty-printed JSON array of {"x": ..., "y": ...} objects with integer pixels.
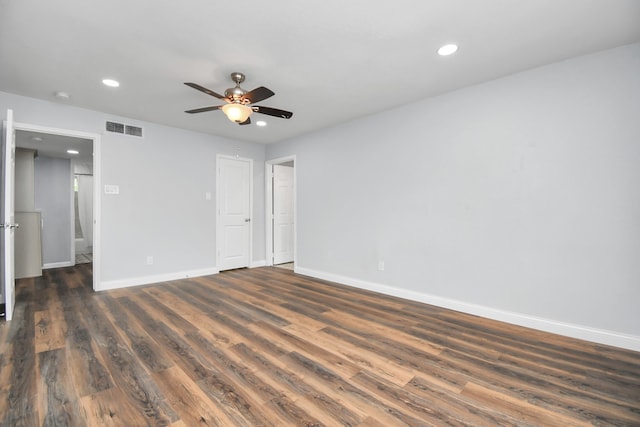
[
  {"x": 520, "y": 194},
  {"x": 53, "y": 192},
  {"x": 161, "y": 210}
]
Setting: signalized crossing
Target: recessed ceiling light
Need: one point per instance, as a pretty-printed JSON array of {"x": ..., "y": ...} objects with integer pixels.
[
  {"x": 261, "y": 123},
  {"x": 448, "y": 49},
  {"x": 73, "y": 151},
  {"x": 62, "y": 95},
  {"x": 110, "y": 82}
]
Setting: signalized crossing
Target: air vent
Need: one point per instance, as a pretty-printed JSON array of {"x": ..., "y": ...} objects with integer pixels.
[
  {"x": 124, "y": 129},
  {"x": 133, "y": 130},
  {"x": 115, "y": 127}
]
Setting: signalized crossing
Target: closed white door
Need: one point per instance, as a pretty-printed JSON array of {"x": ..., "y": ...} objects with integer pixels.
[
  {"x": 234, "y": 213},
  {"x": 8, "y": 215},
  {"x": 282, "y": 214}
]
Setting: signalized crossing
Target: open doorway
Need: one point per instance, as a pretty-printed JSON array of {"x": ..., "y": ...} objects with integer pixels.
[
  {"x": 281, "y": 212},
  {"x": 58, "y": 187},
  {"x": 83, "y": 212},
  {"x": 65, "y": 178}
]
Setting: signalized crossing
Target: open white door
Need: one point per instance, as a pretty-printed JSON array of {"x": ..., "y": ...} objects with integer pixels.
[
  {"x": 282, "y": 214},
  {"x": 8, "y": 215},
  {"x": 234, "y": 213}
]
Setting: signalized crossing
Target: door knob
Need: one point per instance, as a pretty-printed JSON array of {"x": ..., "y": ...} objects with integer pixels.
[{"x": 247, "y": 220}]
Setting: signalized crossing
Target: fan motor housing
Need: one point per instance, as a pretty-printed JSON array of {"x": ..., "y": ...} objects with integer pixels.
[{"x": 234, "y": 93}]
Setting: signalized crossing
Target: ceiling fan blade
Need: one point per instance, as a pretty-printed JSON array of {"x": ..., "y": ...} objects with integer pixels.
[
  {"x": 205, "y": 90},
  {"x": 246, "y": 122},
  {"x": 273, "y": 112},
  {"x": 203, "y": 109},
  {"x": 258, "y": 94}
]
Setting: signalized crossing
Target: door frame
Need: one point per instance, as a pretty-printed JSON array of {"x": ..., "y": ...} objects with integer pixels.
[
  {"x": 97, "y": 150},
  {"x": 218, "y": 204},
  {"x": 269, "y": 207},
  {"x": 8, "y": 207}
]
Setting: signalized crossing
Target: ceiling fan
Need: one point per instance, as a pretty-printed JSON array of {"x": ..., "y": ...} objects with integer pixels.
[{"x": 239, "y": 102}]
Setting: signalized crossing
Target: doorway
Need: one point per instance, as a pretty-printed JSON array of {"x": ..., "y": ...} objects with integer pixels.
[
  {"x": 60, "y": 193},
  {"x": 61, "y": 156},
  {"x": 281, "y": 212}
]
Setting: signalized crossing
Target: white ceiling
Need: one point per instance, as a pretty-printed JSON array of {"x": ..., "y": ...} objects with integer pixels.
[
  {"x": 327, "y": 61},
  {"x": 56, "y": 145}
]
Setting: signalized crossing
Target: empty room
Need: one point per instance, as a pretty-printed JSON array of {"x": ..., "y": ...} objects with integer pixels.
[{"x": 409, "y": 213}]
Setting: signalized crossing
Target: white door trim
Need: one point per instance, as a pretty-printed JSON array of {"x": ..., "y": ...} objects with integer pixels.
[
  {"x": 269, "y": 207},
  {"x": 8, "y": 215},
  {"x": 96, "y": 189},
  {"x": 218, "y": 204}
]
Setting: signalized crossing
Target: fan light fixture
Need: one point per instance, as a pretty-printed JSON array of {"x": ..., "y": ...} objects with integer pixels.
[{"x": 237, "y": 113}]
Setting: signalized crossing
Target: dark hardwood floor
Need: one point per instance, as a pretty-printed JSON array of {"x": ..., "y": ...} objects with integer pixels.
[{"x": 266, "y": 347}]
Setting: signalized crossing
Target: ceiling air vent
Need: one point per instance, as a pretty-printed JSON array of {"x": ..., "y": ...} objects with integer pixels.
[
  {"x": 115, "y": 127},
  {"x": 133, "y": 130}
]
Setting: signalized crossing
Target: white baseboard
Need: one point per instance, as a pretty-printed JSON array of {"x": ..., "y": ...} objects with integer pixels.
[
  {"x": 57, "y": 265},
  {"x": 146, "y": 280},
  {"x": 630, "y": 342},
  {"x": 255, "y": 264}
]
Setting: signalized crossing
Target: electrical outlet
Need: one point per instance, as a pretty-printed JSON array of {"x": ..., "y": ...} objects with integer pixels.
[
  {"x": 149, "y": 260},
  {"x": 380, "y": 265}
]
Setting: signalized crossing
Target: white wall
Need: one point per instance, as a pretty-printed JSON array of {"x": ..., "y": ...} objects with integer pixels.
[
  {"x": 161, "y": 210},
  {"x": 517, "y": 199},
  {"x": 53, "y": 193}
]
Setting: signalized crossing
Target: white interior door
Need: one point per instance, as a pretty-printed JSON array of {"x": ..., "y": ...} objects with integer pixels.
[
  {"x": 234, "y": 213},
  {"x": 282, "y": 214},
  {"x": 8, "y": 215}
]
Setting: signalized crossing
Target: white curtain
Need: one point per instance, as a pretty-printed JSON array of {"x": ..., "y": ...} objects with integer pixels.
[{"x": 85, "y": 207}]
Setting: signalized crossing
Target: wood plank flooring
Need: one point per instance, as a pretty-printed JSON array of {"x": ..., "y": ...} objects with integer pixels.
[{"x": 267, "y": 347}]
